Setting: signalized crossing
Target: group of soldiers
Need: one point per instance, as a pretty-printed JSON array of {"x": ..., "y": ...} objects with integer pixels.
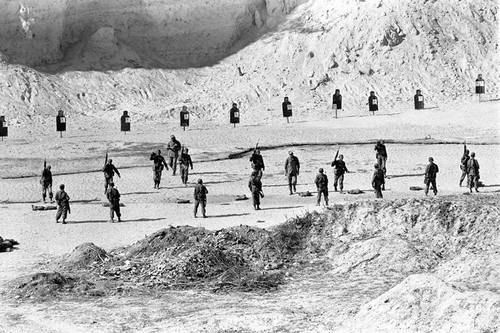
[{"x": 178, "y": 154}]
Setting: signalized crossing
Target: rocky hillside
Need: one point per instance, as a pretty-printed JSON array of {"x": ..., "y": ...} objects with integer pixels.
[{"x": 155, "y": 57}]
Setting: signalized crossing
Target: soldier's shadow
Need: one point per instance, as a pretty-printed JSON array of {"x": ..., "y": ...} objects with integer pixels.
[
  {"x": 227, "y": 215},
  {"x": 124, "y": 221}
]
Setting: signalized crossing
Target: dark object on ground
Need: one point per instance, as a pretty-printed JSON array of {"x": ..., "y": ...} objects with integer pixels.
[
  {"x": 182, "y": 201},
  {"x": 48, "y": 207},
  {"x": 305, "y": 194},
  {"x": 355, "y": 191},
  {"x": 241, "y": 197},
  {"x": 416, "y": 188},
  {"x": 6, "y": 245}
]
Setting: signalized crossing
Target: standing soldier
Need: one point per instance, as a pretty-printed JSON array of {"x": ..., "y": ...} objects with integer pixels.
[
  {"x": 255, "y": 186},
  {"x": 173, "y": 148},
  {"x": 62, "y": 200},
  {"x": 114, "y": 202},
  {"x": 339, "y": 169},
  {"x": 46, "y": 182},
  {"x": 322, "y": 186},
  {"x": 381, "y": 156},
  {"x": 109, "y": 171},
  {"x": 158, "y": 163},
  {"x": 257, "y": 162},
  {"x": 185, "y": 162},
  {"x": 463, "y": 165},
  {"x": 292, "y": 168},
  {"x": 378, "y": 180},
  {"x": 430, "y": 176},
  {"x": 200, "y": 197},
  {"x": 473, "y": 172}
]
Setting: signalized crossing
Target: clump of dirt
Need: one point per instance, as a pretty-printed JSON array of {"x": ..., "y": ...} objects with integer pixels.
[
  {"x": 84, "y": 255},
  {"x": 41, "y": 286}
]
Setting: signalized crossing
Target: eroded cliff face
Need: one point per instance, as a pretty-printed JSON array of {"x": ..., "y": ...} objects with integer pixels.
[
  {"x": 151, "y": 58},
  {"x": 167, "y": 34}
]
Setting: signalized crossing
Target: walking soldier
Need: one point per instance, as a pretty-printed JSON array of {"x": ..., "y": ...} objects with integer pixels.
[
  {"x": 430, "y": 176},
  {"x": 62, "y": 200},
  {"x": 114, "y": 202},
  {"x": 378, "y": 180},
  {"x": 322, "y": 186},
  {"x": 292, "y": 168},
  {"x": 200, "y": 197},
  {"x": 158, "y": 163},
  {"x": 173, "y": 148},
  {"x": 46, "y": 182},
  {"x": 109, "y": 171},
  {"x": 185, "y": 162},
  {"x": 255, "y": 186},
  {"x": 339, "y": 169},
  {"x": 463, "y": 165},
  {"x": 473, "y": 172}
]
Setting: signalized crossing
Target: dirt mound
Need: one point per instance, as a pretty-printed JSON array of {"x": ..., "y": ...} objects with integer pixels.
[
  {"x": 42, "y": 286},
  {"x": 84, "y": 255},
  {"x": 423, "y": 303},
  {"x": 473, "y": 270}
]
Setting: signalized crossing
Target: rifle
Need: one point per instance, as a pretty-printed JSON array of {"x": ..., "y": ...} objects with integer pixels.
[
  {"x": 336, "y": 155},
  {"x": 257, "y": 144},
  {"x": 106, "y": 158},
  {"x": 44, "y": 164}
]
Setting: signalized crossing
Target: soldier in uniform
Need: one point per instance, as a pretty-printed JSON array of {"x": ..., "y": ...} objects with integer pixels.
[
  {"x": 173, "y": 148},
  {"x": 292, "y": 168},
  {"x": 473, "y": 172},
  {"x": 200, "y": 197},
  {"x": 158, "y": 163},
  {"x": 109, "y": 171},
  {"x": 463, "y": 165},
  {"x": 46, "y": 182},
  {"x": 381, "y": 156},
  {"x": 62, "y": 200},
  {"x": 185, "y": 162},
  {"x": 340, "y": 169},
  {"x": 114, "y": 202},
  {"x": 378, "y": 180},
  {"x": 322, "y": 186},
  {"x": 430, "y": 176},
  {"x": 255, "y": 186},
  {"x": 257, "y": 162}
]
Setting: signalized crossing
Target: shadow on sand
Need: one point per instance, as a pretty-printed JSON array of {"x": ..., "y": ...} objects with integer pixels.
[{"x": 124, "y": 221}]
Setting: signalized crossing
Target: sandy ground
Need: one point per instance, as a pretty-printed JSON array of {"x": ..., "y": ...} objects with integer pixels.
[{"x": 300, "y": 305}]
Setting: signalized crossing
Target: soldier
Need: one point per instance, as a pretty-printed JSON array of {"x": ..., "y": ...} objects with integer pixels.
[
  {"x": 430, "y": 176},
  {"x": 473, "y": 172},
  {"x": 463, "y": 165},
  {"x": 255, "y": 186},
  {"x": 109, "y": 171},
  {"x": 257, "y": 162},
  {"x": 185, "y": 162},
  {"x": 46, "y": 182},
  {"x": 292, "y": 168},
  {"x": 114, "y": 202},
  {"x": 322, "y": 186},
  {"x": 340, "y": 169},
  {"x": 381, "y": 157},
  {"x": 200, "y": 197},
  {"x": 173, "y": 148},
  {"x": 158, "y": 163},
  {"x": 378, "y": 180},
  {"x": 62, "y": 200}
]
